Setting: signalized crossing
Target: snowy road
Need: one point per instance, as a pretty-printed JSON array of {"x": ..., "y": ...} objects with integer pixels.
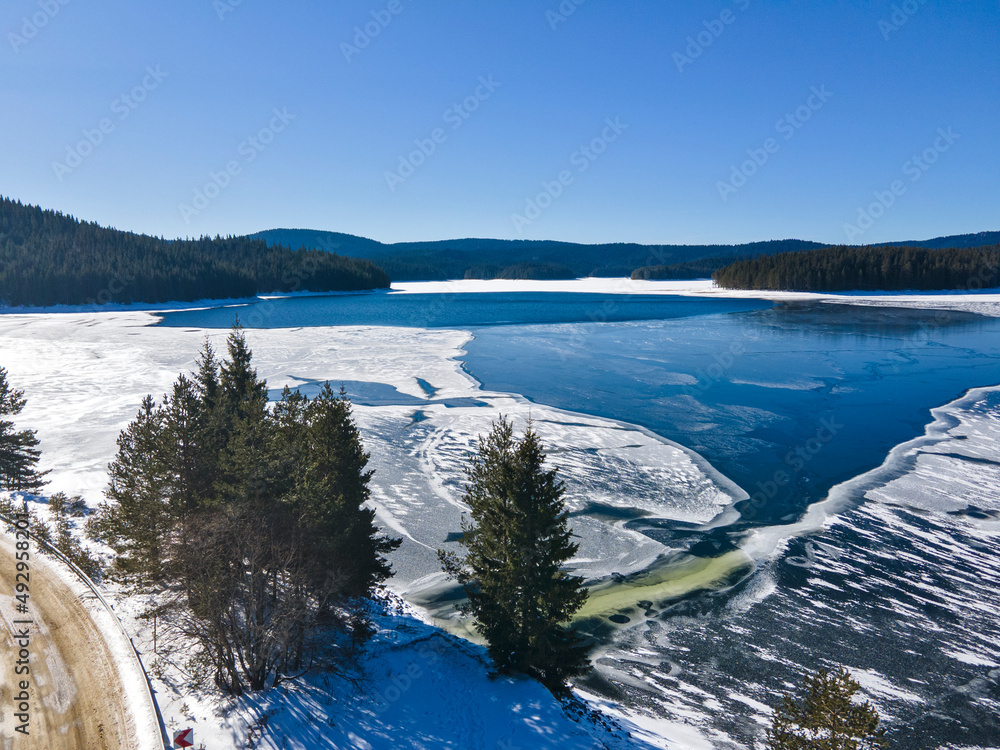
[{"x": 75, "y": 693}]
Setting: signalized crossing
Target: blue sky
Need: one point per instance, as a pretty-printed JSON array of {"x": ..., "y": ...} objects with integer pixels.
[{"x": 638, "y": 120}]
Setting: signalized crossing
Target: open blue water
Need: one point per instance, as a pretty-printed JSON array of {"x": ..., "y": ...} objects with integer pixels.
[
  {"x": 785, "y": 401},
  {"x": 464, "y": 310}
]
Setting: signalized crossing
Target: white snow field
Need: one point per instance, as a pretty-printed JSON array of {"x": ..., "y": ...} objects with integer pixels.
[{"x": 985, "y": 302}]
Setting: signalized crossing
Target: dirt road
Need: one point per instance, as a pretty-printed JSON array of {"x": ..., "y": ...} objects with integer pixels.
[{"x": 74, "y": 693}]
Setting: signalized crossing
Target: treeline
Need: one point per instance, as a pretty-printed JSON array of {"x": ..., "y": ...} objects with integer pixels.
[
  {"x": 701, "y": 268},
  {"x": 536, "y": 271},
  {"x": 844, "y": 268},
  {"x": 48, "y": 258}
]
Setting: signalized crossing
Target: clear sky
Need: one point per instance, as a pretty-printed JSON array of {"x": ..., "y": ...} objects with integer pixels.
[{"x": 651, "y": 121}]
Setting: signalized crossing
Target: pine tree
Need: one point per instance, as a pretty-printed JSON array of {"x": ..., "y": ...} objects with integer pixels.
[
  {"x": 242, "y": 391},
  {"x": 19, "y": 452},
  {"x": 207, "y": 377},
  {"x": 333, "y": 492},
  {"x": 516, "y": 544},
  {"x": 827, "y": 717},
  {"x": 135, "y": 524},
  {"x": 210, "y": 431}
]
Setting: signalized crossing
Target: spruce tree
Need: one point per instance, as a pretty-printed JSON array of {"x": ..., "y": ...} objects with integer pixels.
[
  {"x": 207, "y": 377},
  {"x": 19, "y": 452},
  {"x": 332, "y": 493},
  {"x": 137, "y": 520},
  {"x": 516, "y": 545},
  {"x": 826, "y": 718},
  {"x": 242, "y": 391}
]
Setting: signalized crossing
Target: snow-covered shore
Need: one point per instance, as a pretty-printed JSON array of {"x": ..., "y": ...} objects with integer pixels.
[
  {"x": 985, "y": 302},
  {"x": 85, "y": 375}
]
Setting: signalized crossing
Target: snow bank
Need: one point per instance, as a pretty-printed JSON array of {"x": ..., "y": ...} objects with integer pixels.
[{"x": 985, "y": 302}]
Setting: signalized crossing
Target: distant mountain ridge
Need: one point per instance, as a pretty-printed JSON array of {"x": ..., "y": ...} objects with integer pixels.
[
  {"x": 980, "y": 239},
  {"x": 491, "y": 258}
]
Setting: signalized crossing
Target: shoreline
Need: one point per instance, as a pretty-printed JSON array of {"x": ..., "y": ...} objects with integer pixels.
[{"x": 589, "y": 285}]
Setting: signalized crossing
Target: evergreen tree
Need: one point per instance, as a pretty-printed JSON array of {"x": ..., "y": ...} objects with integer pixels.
[
  {"x": 207, "y": 377},
  {"x": 62, "y": 507},
  {"x": 827, "y": 717},
  {"x": 333, "y": 492},
  {"x": 242, "y": 391},
  {"x": 845, "y": 268},
  {"x": 210, "y": 429},
  {"x": 136, "y": 522},
  {"x": 19, "y": 452},
  {"x": 189, "y": 468},
  {"x": 516, "y": 544}
]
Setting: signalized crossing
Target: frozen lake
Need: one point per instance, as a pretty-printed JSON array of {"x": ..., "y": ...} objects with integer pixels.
[{"x": 758, "y": 489}]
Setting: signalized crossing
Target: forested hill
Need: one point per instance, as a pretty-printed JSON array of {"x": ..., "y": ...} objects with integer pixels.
[
  {"x": 48, "y": 258},
  {"x": 538, "y": 259},
  {"x": 836, "y": 269},
  {"x": 517, "y": 259}
]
